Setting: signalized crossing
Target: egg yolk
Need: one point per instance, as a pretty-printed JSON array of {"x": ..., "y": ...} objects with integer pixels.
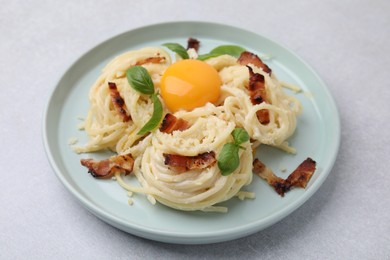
[{"x": 188, "y": 84}]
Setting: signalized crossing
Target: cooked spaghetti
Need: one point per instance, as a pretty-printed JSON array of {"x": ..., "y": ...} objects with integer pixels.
[
  {"x": 105, "y": 128},
  {"x": 251, "y": 98}
]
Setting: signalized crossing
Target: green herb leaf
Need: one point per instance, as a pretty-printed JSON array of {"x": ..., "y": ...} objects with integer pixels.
[
  {"x": 232, "y": 50},
  {"x": 155, "y": 120},
  {"x": 228, "y": 159},
  {"x": 207, "y": 56},
  {"x": 177, "y": 48},
  {"x": 240, "y": 136},
  {"x": 140, "y": 80}
]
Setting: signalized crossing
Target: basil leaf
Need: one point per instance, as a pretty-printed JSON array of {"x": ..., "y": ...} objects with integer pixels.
[
  {"x": 177, "y": 48},
  {"x": 240, "y": 136},
  {"x": 228, "y": 159},
  {"x": 155, "y": 120},
  {"x": 232, "y": 50},
  {"x": 140, "y": 80},
  {"x": 207, "y": 56}
]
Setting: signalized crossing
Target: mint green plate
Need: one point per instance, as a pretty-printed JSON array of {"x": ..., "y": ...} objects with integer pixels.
[{"x": 317, "y": 136}]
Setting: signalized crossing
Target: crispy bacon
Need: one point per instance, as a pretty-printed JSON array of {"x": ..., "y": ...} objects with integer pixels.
[
  {"x": 193, "y": 43},
  {"x": 172, "y": 123},
  {"x": 181, "y": 163},
  {"x": 298, "y": 178},
  {"x": 105, "y": 169},
  {"x": 157, "y": 59},
  {"x": 118, "y": 102},
  {"x": 258, "y": 94},
  {"x": 250, "y": 58}
]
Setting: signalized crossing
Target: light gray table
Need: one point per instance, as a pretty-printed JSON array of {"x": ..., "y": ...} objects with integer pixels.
[{"x": 347, "y": 42}]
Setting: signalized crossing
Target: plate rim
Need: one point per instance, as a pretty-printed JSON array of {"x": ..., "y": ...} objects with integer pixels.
[{"x": 181, "y": 237}]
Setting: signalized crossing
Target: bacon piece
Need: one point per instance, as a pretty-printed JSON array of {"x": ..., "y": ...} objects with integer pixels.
[
  {"x": 105, "y": 169},
  {"x": 250, "y": 58},
  {"x": 302, "y": 174},
  {"x": 118, "y": 102},
  {"x": 181, "y": 163},
  {"x": 172, "y": 123},
  {"x": 298, "y": 178},
  {"x": 157, "y": 59},
  {"x": 258, "y": 94},
  {"x": 193, "y": 43}
]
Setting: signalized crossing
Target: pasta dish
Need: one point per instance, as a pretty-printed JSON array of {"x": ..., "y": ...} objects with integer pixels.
[{"x": 187, "y": 127}]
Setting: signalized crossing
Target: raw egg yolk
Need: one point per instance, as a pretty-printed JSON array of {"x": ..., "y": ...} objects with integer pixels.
[{"x": 188, "y": 84}]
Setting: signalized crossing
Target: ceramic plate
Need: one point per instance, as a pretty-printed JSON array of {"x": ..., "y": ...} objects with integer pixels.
[{"x": 317, "y": 136}]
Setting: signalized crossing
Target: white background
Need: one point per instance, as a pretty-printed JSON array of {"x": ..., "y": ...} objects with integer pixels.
[{"x": 347, "y": 43}]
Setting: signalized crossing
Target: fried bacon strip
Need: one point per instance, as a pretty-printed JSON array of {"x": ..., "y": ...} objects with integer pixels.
[
  {"x": 171, "y": 123},
  {"x": 250, "y": 58},
  {"x": 258, "y": 94},
  {"x": 150, "y": 60},
  {"x": 180, "y": 163},
  {"x": 118, "y": 102},
  {"x": 105, "y": 169},
  {"x": 193, "y": 43},
  {"x": 298, "y": 178}
]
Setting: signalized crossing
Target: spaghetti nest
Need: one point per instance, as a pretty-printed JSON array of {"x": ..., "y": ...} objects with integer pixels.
[{"x": 209, "y": 129}]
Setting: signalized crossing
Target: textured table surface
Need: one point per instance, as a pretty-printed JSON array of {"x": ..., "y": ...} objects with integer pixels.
[{"x": 346, "y": 42}]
